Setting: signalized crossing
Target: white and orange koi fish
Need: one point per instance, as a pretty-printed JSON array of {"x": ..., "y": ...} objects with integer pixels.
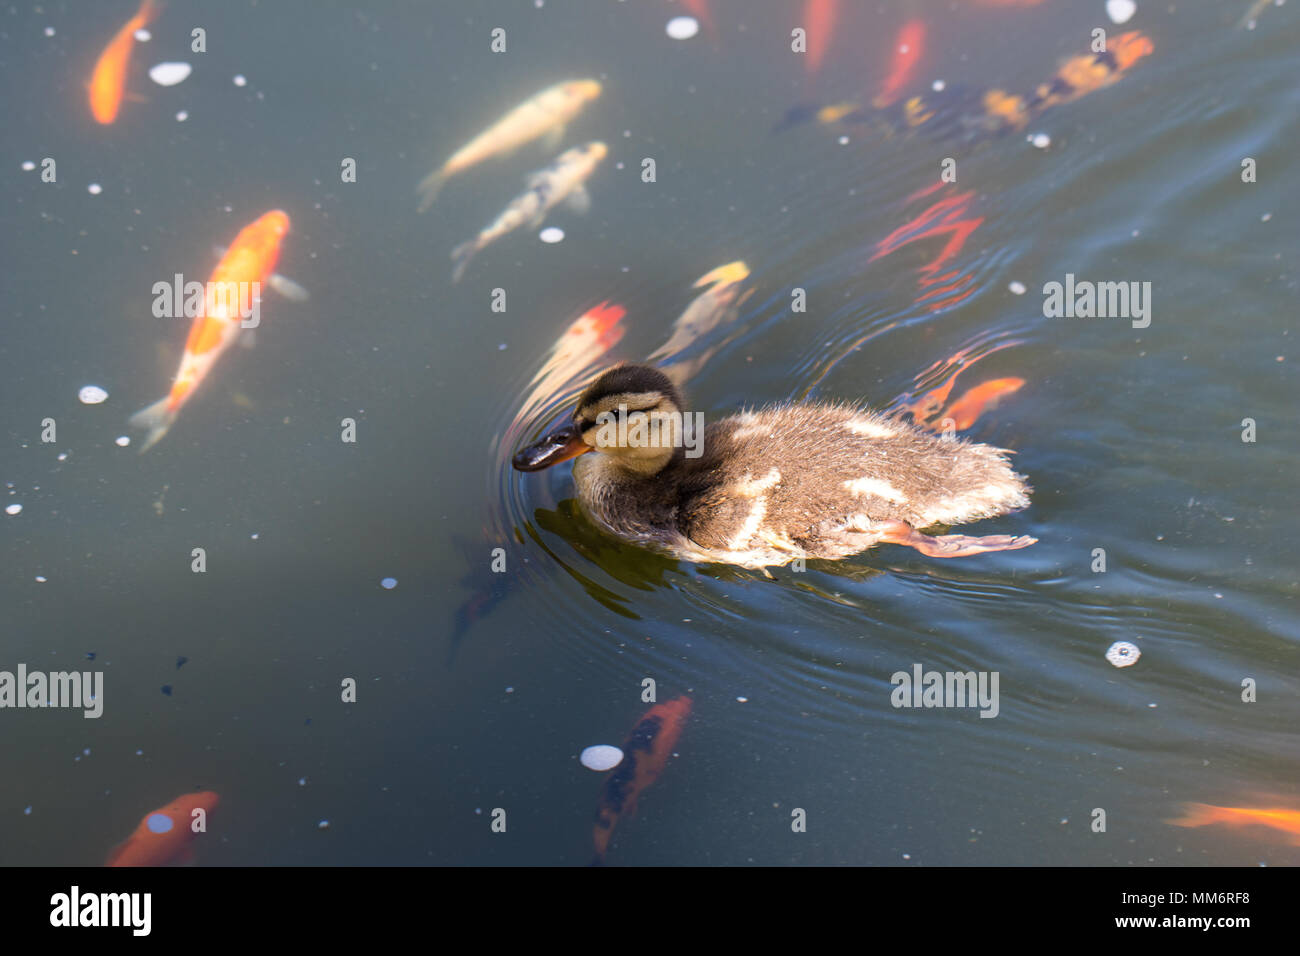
[
  {"x": 545, "y": 113},
  {"x": 249, "y": 262},
  {"x": 547, "y": 188}
]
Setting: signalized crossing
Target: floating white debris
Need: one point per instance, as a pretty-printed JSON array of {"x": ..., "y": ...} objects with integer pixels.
[
  {"x": 683, "y": 28},
  {"x": 938, "y": 86},
  {"x": 28, "y": 165},
  {"x": 49, "y": 31},
  {"x": 239, "y": 80},
  {"x": 1017, "y": 288},
  {"x": 1120, "y": 11},
  {"x": 94, "y": 189},
  {"x": 843, "y": 141},
  {"x": 143, "y": 36},
  {"x": 91, "y": 395},
  {"x": 323, "y": 825},
  {"x": 388, "y": 583},
  {"x": 13, "y": 509},
  {"x": 601, "y": 757},
  {"x": 41, "y": 579},
  {"x": 169, "y": 74},
  {"x": 63, "y": 456},
  {"x": 122, "y": 441},
  {"x": 742, "y": 700},
  {"x": 551, "y": 234},
  {"x": 1041, "y": 140},
  {"x": 1123, "y": 654},
  {"x": 182, "y": 116}
]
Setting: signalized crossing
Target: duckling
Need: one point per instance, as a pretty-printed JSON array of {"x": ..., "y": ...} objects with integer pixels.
[{"x": 772, "y": 485}]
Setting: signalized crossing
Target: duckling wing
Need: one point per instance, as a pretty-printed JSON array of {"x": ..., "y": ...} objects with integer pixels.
[{"x": 817, "y": 479}]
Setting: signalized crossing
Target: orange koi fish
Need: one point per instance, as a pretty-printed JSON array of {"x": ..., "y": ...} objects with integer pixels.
[
  {"x": 974, "y": 402},
  {"x": 248, "y": 263},
  {"x": 819, "y": 18},
  {"x": 1204, "y": 814},
  {"x": 908, "y": 50},
  {"x": 109, "y": 78},
  {"x": 645, "y": 753},
  {"x": 590, "y": 336},
  {"x": 164, "y": 836}
]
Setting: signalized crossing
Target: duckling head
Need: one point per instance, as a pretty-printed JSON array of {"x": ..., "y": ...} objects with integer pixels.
[{"x": 632, "y": 414}]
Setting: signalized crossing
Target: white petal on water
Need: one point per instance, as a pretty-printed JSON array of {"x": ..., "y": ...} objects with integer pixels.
[
  {"x": 601, "y": 757},
  {"x": 1120, "y": 11},
  {"x": 13, "y": 509},
  {"x": 682, "y": 28},
  {"x": 182, "y": 116},
  {"x": 1017, "y": 288},
  {"x": 239, "y": 79},
  {"x": 143, "y": 36},
  {"x": 91, "y": 395},
  {"x": 1041, "y": 140},
  {"x": 551, "y": 234},
  {"x": 49, "y": 31},
  {"x": 169, "y": 74},
  {"x": 1123, "y": 654},
  {"x": 94, "y": 189},
  {"x": 122, "y": 440},
  {"x": 28, "y": 165}
]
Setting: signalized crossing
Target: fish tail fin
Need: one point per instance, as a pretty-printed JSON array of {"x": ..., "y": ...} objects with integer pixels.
[
  {"x": 461, "y": 256},
  {"x": 156, "y": 419},
  {"x": 1197, "y": 815},
  {"x": 429, "y": 188}
]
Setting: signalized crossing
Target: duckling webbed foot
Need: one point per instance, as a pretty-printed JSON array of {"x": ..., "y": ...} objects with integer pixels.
[{"x": 949, "y": 545}]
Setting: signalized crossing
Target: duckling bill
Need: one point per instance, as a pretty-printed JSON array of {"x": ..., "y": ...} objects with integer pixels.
[{"x": 776, "y": 484}]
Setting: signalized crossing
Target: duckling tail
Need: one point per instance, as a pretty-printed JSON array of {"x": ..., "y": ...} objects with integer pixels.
[
  {"x": 461, "y": 256},
  {"x": 157, "y": 418}
]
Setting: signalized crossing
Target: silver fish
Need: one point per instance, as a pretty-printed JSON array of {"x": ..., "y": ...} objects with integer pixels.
[{"x": 547, "y": 188}]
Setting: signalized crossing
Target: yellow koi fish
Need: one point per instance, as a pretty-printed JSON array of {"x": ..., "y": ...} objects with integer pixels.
[
  {"x": 547, "y": 112},
  {"x": 717, "y": 306},
  {"x": 547, "y": 188}
]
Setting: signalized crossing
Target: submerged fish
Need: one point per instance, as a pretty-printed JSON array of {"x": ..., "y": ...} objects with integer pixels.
[
  {"x": 576, "y": 350},
  {"x": 819, "y": 17},
  {"x": 1278, "y": 818},
  {"x": 247, "y": 264},
  {"x": 545, "y": 113},
  {"x": 109, "y": 78},
  {"x": 908, "y": 49},
  {"x": 164, "y": 835},
  {"x": 974, "y": 402},
  {"x": 646, "y": 752},
  {"x": 958, "y": 112},
  {"x": 713, "y": 308},
  {"x": 547, "y": 188}
]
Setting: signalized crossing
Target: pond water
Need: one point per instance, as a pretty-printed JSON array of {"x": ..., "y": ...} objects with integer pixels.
[{"x": 513, "y": 634}]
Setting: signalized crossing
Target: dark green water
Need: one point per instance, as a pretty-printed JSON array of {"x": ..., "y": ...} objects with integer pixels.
[{"x": 1132, "y": 439}]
